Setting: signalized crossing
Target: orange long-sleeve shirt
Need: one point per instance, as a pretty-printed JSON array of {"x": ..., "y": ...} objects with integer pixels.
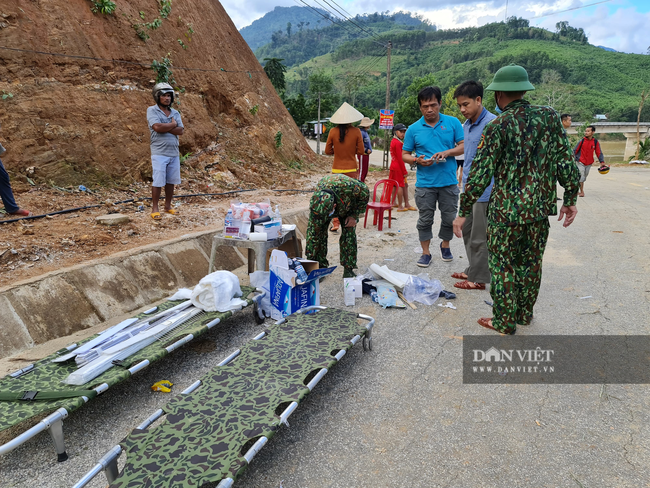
[{"x": 345, "y": 153}]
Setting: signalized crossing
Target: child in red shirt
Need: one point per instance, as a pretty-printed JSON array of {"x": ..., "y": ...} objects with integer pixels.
[{"x": 398, "y": 171}]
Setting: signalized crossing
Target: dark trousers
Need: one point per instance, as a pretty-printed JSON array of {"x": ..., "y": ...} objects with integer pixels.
[
  {"x": 5, "y": 191},
  {"x": 446, "y": 198},
  {"x": 475, "y": 237},
  {"x": 515, "y": 258},
  {"x": 364, "y": 162}
]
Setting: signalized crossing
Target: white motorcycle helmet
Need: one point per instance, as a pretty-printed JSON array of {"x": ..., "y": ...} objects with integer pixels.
[{"x": 161, "y": 89}]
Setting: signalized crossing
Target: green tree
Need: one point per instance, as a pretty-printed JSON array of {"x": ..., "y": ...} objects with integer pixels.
[
  {"x": 449, "y": 105},
  {"x": 352, "y": 83},
  {"x": 275, "y": 70},
  {"x": 408, "y": 108},
  {"x": 297, "y": 107},
  {"x": 323, "y": 84},
  {"x": 288, "y": 29}
]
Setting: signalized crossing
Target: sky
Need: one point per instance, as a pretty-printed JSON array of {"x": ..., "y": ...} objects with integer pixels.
[{"x": 618, "y": 24}]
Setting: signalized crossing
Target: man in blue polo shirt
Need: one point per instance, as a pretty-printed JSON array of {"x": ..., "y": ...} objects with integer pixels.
[
  {"x": 469, "y": 97},
  {"x": 435, "y": 139}
]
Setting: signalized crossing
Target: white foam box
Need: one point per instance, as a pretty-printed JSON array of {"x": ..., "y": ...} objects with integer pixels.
[{"x": 273, "y": 230}]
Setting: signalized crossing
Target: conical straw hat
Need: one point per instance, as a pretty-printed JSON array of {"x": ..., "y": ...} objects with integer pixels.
[
  {"x": 346, "y": 114},
  {"x": 366, "y": 122}
]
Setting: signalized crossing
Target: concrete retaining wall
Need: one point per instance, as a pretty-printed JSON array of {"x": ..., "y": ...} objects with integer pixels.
[{"x": 62, "y": 302}]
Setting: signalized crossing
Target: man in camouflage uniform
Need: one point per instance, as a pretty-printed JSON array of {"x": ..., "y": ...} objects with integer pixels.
[
  {"x": 527, "y": 153},
  {"x": 339, "y": 196}
]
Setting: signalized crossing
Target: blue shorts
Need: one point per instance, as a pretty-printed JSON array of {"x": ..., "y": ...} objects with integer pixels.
[{"x": 166, "y": 170}]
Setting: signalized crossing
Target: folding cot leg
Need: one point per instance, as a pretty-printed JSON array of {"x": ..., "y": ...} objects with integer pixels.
[
  {"x": 251, "y": 261},
  {"x": 213, "y": 255},
  {"x": 367, "y": 338},
  {"x": 56, "y": 432},
  {"x": 111, "y": 470}
]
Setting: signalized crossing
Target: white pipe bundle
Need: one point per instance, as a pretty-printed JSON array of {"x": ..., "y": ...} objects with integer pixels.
[
  {"x": 127, "y": 348},
  {"x": 396, "y": 278},
  {"x": 112, "y": 332}
]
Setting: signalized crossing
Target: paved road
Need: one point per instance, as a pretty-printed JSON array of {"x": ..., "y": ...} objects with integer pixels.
[{"x": 400, "y": 416}]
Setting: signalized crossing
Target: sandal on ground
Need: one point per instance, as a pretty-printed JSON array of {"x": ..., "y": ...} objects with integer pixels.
[
  {"x": 171, "y": 211},
  {"x": 411, "y": 208},
  {"x": 156, "y": 216},
  {"x": 469, "y": 285},
  {"x": 485, "y": 322},
  {"x": 459, "y": 276},
  {"x": 402, "y": 210}
]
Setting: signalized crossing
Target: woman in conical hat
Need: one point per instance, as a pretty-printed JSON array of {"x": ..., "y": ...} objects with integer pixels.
[{"x": 344, "y": 142}]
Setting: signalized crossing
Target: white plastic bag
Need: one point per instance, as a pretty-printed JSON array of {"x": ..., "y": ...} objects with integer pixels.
[
  {"x": 217, "y": 292},
  {"x": 260, "y": 279},
  {"x": 421, "y": 289}
]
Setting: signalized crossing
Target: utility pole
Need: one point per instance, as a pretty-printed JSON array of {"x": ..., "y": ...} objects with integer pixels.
[
  {"x": 644, "y": 95},
  {"x": 385, "y": 162},
  {"x": 319, "y": 128}
]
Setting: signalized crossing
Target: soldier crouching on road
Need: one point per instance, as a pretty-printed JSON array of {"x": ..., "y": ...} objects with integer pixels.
[{"x": 336, "y": 196}]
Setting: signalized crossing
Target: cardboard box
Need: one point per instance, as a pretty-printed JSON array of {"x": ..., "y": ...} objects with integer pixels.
[
  {"x": 287, "y": 296},
  {"x": 286, "y": 247}
]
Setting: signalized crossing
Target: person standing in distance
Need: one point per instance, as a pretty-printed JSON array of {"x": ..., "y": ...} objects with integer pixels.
[
  {"x": 165, "y": 125},
  {"x": 527, "y": 153},
  {"x": 344, "y": 142},
  {"x": 364, "y": 159},
  {"x": 397, "y": 170},
  {"x": 584, "y": 154},
  {"x": 6, "y": 193},
  {"x": 435, "y": 138},
  {"x": 469, "y": 97},
  {"x": 566, "y": 121}
]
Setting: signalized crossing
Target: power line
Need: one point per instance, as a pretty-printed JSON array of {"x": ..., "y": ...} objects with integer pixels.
[
  {"x": 570, "y": 9},
  {"x": 340, "y": 22},
  {"x": 352, "y": 22},
  {"x": 343, "y": 21},
  {"x": 372, "y": 61},
  {"x": 349, "y": 14},
  {"x": 367, "y": 68},
  {"x": 122, "y": 61}
]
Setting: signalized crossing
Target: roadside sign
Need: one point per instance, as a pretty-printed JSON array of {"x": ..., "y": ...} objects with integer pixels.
[{"x": 386, "y": 119}]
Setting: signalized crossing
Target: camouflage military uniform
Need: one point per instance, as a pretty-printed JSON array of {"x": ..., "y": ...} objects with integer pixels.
[
  {"x": 351, "y": 198},
  {"x": 527, "y": 152}
]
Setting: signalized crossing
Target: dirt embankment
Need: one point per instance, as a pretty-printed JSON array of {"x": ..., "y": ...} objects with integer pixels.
[{"x": 68, "y": 120}]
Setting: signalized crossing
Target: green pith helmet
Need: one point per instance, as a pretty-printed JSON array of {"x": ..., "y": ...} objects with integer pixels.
[{"x": 511, "y": 78}]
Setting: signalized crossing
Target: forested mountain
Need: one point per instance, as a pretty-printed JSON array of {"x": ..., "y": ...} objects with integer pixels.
[
  {"x": 260, "y": 31},
  {"x": 570, "y": 74},
  {"x": 298, "y": 44}
]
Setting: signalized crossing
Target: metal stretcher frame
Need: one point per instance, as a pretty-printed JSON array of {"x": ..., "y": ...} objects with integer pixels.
[
  {"x": 109, "y": 462},
  {"x": 53, "y": 423}
]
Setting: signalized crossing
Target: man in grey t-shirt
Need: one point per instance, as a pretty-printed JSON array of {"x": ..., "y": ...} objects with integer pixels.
[{"x": 165, "y": 126}]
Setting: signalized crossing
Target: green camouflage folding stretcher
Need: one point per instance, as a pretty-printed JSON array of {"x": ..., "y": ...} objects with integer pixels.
[
  {"x": 40, "y": 390},
  {"x": 215, "y": 427}
]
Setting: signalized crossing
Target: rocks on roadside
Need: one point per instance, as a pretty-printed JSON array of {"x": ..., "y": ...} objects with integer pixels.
[{"x": 113, "y": 219}]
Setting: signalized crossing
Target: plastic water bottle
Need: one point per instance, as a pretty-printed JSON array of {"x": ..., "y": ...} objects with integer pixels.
[
  {"x": 228, "y": 221},
  {"x": 300, "y": 271}
]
